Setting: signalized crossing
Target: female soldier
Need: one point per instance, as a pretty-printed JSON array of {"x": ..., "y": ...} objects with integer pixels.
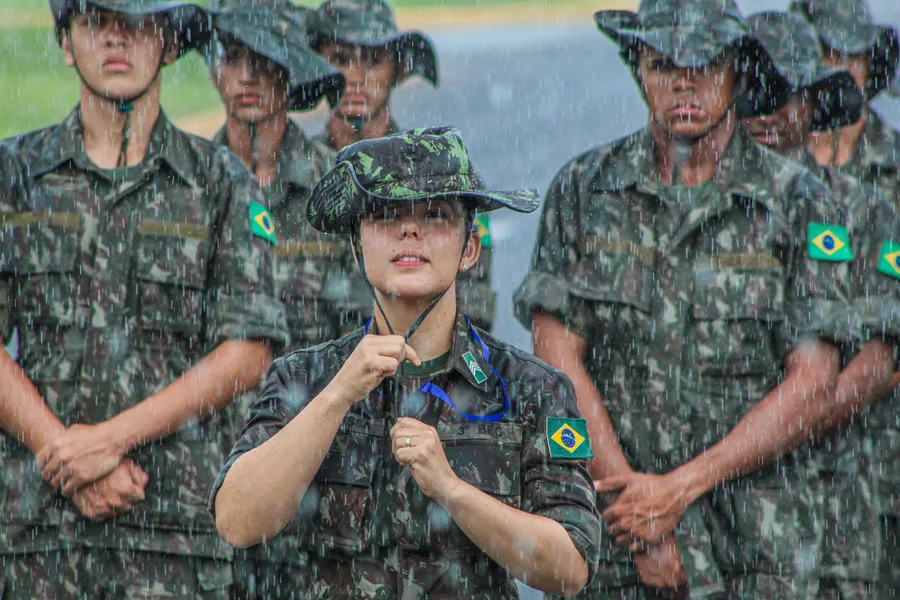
[{"x": 421, "y": 480}]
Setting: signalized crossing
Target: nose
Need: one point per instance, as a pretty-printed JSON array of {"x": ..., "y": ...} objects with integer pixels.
[
  {"x": 683, "y": 81},
  {"x": 409, "y": 227},
  {"x": 115, "y": 33}
]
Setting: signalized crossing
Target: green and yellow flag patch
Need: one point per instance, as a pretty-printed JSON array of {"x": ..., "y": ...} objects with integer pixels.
[
  {"x": 889, "y": 263},
  {"x": 484, "y": 230},
  {"x": 261, "y": 223},
  {"x": 568, "y": 438},
  {"x": 828, "y": 242}
]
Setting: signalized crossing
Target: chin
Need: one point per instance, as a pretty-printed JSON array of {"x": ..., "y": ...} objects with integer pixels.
[
  {"x": 410, "y": 289},
  {"x": 694, "y": 130}
]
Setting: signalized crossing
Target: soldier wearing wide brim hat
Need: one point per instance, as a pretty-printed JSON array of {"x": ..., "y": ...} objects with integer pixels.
[
  {"x": 693, "y": 35},
  {"x": 794, "y": 48},
  {"x": 276, "y": 30},
  {"x": 847, "y": 27},
  {"x": 371, "y": 23}
]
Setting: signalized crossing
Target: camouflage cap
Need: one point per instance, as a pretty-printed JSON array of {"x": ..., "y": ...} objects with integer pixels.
[
  {"x": 371, "y": 23},
  {"x": 694, "y": 33},
  {"x": 276, "y": 30},
  {"x": 794, "y": 48},
  {"x": 847, "y": 26},
  {"x": 422, "y": 164},
  {"x": 189, "y": 22}
]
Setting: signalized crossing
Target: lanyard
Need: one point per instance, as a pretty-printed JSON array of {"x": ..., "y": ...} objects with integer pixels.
[{"x": 434, "y": 390}]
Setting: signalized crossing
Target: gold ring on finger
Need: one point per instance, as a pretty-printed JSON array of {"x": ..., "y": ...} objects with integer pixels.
[{"x": 408, "y": 443}]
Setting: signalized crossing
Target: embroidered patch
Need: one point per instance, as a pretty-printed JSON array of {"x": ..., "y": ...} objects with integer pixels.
[
  {"x": 829, "y": 243},
  {"x": 889, "y": 263},
  {"x": 261, "y": 223},
  {"x": 568, "y": 438},
  {"x": 474, "y": 369}
]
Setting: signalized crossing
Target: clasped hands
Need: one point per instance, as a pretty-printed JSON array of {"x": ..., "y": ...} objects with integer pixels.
[{"x": 88, "y": 465}]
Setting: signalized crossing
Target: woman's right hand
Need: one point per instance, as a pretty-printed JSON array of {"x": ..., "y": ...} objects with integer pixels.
[{"x": 376, "y": 357}]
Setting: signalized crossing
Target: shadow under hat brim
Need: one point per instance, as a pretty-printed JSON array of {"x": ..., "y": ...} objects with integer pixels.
[
  {"x": 192, "y": 22},
  {"x": 840, "y": 101},
  {"x": 882, "y": 45},
  {"x": 623, "y": 28},
  {"x": 310, "y": 77},
  {"x": 424, "y": 56},
  {"x": 339, "y": 201}
]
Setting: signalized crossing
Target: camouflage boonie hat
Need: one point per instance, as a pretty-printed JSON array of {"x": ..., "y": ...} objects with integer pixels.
[
  {"x": 276, "y": 30},
  {"x": 793, "y": 45},
  {"x": 190, "y": 22},
  {"x": 371, "y": 23},
  {"x": 422, "y": 164},
  {"x": 694, "y": 33},
  {"x": 847, "y": 26}
]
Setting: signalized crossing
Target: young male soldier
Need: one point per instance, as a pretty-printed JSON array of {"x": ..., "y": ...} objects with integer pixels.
[
  {"x": 262, "y": 68},
  {"x": 137, "y": 280},
  {"x": 674, "y": 281},
  {"x": 827, "y": 99},
  {"x": 360, "y": 38},
  {"x": 868, "y": 151}
]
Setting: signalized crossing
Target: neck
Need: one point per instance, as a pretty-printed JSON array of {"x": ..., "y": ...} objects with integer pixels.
[
  {"x": 344, "y": 133},
  {"x": 797, "y": 153},
  {"x": 698, "y": 158},
  {"x": 103, "y": 124},
  {"x": 269, "y": 133},
  {"x": 434, "y": 337},
  {"x": 836, "y": 148}
]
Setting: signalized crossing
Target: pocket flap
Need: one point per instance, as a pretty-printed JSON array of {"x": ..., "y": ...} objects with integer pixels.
[
  {"x": 39, "y": 242},
  {"x": 173, "y": 253},
  {"x": 738, "y": 286},
  {"x": 618, "y": 271},
  {"x": 485, "y": 455}
]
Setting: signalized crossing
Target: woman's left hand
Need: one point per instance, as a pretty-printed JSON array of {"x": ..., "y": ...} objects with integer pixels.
[{"x": 425, "y": 457}]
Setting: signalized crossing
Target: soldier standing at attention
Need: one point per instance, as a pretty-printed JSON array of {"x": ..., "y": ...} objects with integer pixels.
[
  {"x": 869, "y": 152},
  {"x": 436, "y": 464},
  {"x": 676, "y": 282},
  {"x": 360, "y": 38},
  {"x": 827, "y": 99},
  {"x": 137, "y": 279}
]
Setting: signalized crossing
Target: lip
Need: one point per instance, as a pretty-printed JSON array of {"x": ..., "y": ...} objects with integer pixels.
[
  {"x": 248, "y": 99},
  {"x": 408, "y": 259},
  {"x": 117, "y": 64},
  {"x": 687, "y": 111},
  {"x": 355, "y": 98}
]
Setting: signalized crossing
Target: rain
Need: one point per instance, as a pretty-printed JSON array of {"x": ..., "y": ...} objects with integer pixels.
[{"x": 145, "y": 440}]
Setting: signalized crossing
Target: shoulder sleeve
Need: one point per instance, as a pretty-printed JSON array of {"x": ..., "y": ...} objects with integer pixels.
[
  {"x": 11, "y": 191},
  {"x": 558, "y": 489},
  {"x": 244, "y": 304},
  {"x": 281, "y": 397},
  {"x": 875, "y": 272},
  {"x": 546, "y": 286}
]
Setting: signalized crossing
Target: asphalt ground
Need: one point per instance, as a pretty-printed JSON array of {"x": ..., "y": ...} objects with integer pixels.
[{"x": 528, "y": 99}]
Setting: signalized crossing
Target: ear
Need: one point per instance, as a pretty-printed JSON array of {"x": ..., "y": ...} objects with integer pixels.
[
  {"x": 66, "y": 45},
  {"x": 472, "y": 252}
]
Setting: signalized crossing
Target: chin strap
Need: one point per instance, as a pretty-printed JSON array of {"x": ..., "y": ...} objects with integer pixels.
[
  {"x": 254, "y": 147},
  {"x": 124, "y": 107}
]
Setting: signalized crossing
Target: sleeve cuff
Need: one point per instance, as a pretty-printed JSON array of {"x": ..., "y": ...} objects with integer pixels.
[
  {"x": 586, "y": 543},
  {"x": 544, "y": 291},
  {"x": 250, "y": 317}
]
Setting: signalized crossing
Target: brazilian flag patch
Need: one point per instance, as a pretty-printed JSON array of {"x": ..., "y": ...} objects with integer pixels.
[
  {"x": 828, "y": 242},
  {"x": 482, "y": 225},
  {"x": 261, "y": 223},
  {"x": 568, "y": 438},
  {"x": 889, "y": 263}
]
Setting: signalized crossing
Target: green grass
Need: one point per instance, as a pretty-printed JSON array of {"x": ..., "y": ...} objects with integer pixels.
[{"x": 37, "y": 89}]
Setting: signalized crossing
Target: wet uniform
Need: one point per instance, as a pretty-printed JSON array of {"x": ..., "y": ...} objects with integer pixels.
[{"x": 115, "y": 283}]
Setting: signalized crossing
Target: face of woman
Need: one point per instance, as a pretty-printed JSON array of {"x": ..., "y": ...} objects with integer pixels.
[{"x": 415, "y": 252}]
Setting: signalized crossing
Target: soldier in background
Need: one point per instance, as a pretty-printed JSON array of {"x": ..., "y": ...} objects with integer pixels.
[
  {"x": 827, "y": 99},
  {"x": 138, "y": 273},
  {"x": 868, "y": 151},
  {"x": 360, "y": 38},
  {"x": 675, "y": 282}
]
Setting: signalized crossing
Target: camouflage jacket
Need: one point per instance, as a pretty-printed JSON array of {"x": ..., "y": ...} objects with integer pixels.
[
  {"x": 473, "y": 287},
  {"x": 315, "y": 276},
  {"x": 367, "y": 529},
  {"x": 115, "y": 288},
  {"x": 877, "y": 158}
]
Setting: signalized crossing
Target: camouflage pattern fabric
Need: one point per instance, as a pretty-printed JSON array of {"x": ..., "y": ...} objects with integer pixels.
[
  {"x": 118, "y": 282},
  {"x": 690, "y": 299},
  {"x": 371, "y": 23},
  {"x": 847, "y": 26},
  {"x": 794, "y": 47},
  {"x": 367, "y": 529},
  {"x": 114, "y": 575}
]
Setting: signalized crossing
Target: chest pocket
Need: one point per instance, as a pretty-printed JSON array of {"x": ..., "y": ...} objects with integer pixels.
[
  {"x": 336, "y": 512},
  {"x": 171, "y": 271},
  {"x": 738, "y": 313},
  {"x": 301, "y": 276},
  {"x": 615, "y": 279}
]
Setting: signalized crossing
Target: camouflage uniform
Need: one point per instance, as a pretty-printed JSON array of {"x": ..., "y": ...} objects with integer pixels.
[
  {"x": 367, "y": 529},
  {"x": 116, "y": 282},
  {"x": 371, "y": 23},
  {"x": 689, "y": 299},
  {"x": 848, "y": 27},
  {"x": 851, "y": 526}
]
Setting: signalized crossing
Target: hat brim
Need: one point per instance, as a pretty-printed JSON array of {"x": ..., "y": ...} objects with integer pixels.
[
  {"x": 414, "y": 48},
  {"x": 192, "y": 22},
  {"x": 339, "y": 201},
  {"x": 840, "y": 102},
  {"x": 880, "y": 43},
  {"x": 310, "y": 77}
]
